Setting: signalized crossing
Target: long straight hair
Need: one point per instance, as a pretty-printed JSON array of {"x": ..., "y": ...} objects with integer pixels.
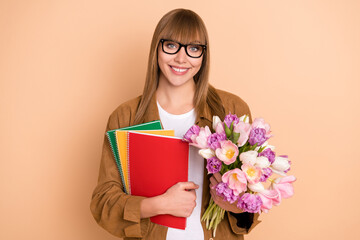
[{"x": 184, "y": 26}]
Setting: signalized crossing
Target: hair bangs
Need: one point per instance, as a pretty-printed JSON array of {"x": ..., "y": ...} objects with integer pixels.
[{"x": 185, "y": 28}]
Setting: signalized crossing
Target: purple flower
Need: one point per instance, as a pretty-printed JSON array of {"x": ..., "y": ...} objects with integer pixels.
[
  {"x": 269, "y": 154},
  {"x": 266, "y": 173},
  {"x": 250, "y": 203},
  {"x": 215, "y": 139},
  {"x": 229, "y": 195},
  {"x": 220, "y": 188},
  {"x": 223, "y": 190},
  {"x": 257, "y": 135},
  {"x": 191, "y": 133},
  {"x": 231, "y": 118},
  {"x": 213, "y": 165}
]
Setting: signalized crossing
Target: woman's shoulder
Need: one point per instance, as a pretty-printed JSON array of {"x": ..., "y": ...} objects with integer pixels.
[
  {"x": 233, "y": 103},
  {"x": 230, "y": 99},
  {"x": 124, "y": 114},
  {"x": 128, "y": 105}
]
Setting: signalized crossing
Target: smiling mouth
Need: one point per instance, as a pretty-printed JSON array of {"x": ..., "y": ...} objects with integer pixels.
[{"x": 179, "y": 70}]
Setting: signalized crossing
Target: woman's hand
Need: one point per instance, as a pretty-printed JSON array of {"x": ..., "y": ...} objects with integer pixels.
[
  {"x": 180, "y": 199},
  {"x": 214, "y": 180}
]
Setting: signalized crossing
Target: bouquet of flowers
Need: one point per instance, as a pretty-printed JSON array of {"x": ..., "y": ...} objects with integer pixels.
[{"x": 239, "y": 151}]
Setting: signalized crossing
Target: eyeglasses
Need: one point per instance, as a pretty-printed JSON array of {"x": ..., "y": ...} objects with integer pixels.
[{"x": 173, "y": 47}]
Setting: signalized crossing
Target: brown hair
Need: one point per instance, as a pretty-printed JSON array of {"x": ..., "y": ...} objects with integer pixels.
[{"x": 184, "y": 26}]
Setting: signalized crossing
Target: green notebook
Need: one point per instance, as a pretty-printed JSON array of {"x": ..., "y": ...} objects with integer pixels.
[{"x": 154, "y": 125}]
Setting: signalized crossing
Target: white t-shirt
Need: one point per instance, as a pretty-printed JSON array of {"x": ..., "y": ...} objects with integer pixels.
[{"x": 181, "y": 123}]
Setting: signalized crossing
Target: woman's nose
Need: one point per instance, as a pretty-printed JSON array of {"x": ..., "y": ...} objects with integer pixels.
[{"x": 180, "y": 56}]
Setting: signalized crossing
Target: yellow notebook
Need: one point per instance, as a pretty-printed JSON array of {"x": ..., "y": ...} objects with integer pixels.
[{"x": 122, "y": 144}]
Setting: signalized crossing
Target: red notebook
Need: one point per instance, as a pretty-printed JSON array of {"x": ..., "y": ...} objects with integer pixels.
[{"x": 155, "y": 164}]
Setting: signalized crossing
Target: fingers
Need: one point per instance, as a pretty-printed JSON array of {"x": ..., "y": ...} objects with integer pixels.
[
  {"x": 217, "y": 199},
  {"x": 188, "y": 185},
  {"x": 217, "y": 177},
  {"x": 180, "y": 199},
  {"x": 213, "y": 181}
]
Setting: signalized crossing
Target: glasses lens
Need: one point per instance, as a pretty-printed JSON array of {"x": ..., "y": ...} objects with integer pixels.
[
  {"x": 195, "y": 50},
  {"x": 170, "y": 46}
]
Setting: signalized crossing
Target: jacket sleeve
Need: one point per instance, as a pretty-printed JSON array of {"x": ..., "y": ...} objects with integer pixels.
[
  {"x": 243, "y": 223},
  {"x": 114, "y": 210}
]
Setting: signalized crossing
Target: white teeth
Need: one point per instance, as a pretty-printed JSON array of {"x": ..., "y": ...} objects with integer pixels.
[{"x": 179, "y": 70}]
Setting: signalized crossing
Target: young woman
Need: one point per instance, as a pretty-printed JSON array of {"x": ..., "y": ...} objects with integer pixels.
[{"x": 178, "y": 93}]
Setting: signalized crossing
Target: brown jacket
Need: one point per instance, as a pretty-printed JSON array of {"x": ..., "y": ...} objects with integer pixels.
[{"x": 119, "y": 213}]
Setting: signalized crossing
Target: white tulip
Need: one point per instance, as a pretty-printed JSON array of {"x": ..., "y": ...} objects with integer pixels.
[
  {"x": 257, "y": 187},
  {"x": 216, "y": 121},
  {"x": 280, "y": 165},
  {"x": 207, "y": 153},
  {"x": 248, "y": 157},
  {"x": 262, "y": 162},
  {"x": 246, "y": 117}
]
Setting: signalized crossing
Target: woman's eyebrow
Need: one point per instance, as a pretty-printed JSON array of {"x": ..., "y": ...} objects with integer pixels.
[{"x": 195, "y": 42}]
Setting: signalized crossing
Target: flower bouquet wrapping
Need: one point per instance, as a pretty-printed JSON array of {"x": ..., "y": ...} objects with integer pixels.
[{"x": 252, "y": 175}]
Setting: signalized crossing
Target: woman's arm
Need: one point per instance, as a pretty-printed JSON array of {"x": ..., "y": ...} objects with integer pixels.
[
  {"x": 124, "y": 215},
  {"x": 114, "y": 210}
]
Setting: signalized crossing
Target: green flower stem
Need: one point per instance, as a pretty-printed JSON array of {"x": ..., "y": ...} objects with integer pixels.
[
  {"x": 208, "y": 210},
  {"x": 246, "y": 116},
  {"x": 208, "y": 214},
  {"x": 271, "y": 180},
  {"x": 261, "y": 149},
  {"x": 213, "y": 216},
  {"x": 219, "y": 219},
  {"x": 253, "y": 147}
]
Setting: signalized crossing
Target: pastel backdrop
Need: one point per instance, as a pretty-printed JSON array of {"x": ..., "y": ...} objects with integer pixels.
[{"x": 65, "y": 65}]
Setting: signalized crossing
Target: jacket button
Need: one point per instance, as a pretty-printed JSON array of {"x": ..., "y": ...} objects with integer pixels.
[{"x": 211, "y": 239}]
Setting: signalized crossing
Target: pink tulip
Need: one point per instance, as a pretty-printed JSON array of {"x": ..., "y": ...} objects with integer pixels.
[
  {"x": 269, "y": 198},
  {"x": 236, "y": 180},
  {"x": 244, "y": 130},
  {"x": 201, "y": 140},
  {"x": 260, "y": 123},
  {"x": 284, "y": 186},
  {"x": 252, "y": 173},
  {"x": 220, "y": 128},
  {"x": 227, "y": 152}
]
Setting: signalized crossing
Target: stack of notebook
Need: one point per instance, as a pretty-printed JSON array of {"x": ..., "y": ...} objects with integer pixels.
[{"x": 150, "y": 160}]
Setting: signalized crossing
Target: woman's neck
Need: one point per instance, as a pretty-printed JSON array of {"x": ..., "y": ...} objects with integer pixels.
[{"x": 176, "y": 99}]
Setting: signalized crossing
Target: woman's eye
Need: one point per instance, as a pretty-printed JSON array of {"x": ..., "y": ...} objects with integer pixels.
[
  {"x": 194, "y": 48},
  {"x": 171, "y": 45}
]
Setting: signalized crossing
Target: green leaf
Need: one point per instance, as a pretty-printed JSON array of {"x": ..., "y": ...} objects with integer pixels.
[
  {"x": 261, "y": 149},
  {"x": 234, "y": 137},
  {"x": 227, "y": 131}
]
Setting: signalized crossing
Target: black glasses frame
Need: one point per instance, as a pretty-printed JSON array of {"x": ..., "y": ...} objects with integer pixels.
[{"x": 182, "y": 45}]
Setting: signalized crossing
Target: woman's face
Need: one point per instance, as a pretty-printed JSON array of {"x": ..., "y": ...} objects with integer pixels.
[{"x": 177, "y": 69}]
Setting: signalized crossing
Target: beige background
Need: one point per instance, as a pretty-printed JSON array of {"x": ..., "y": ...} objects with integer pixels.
[{"x": 65, "y": 65}]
